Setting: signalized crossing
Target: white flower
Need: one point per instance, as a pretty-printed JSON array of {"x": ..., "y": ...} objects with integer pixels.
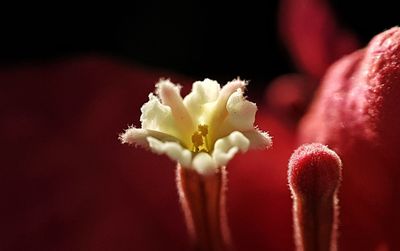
[{"x": 202, "y": 131}]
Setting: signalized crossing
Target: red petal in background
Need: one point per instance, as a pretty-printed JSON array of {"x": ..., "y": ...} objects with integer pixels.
[
  {"x": 66, "y": 181},
  {"x": 312, "y": 35},
  {"x": 357, "y": 113}
]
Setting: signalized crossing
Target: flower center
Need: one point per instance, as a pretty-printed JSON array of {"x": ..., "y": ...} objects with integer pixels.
[{"x": 199, "y": 139}]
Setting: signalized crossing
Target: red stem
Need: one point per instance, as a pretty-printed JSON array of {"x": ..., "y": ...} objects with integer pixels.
[
  {"x": 203, "y": 201},
  {"x": 315, "y": 223}
]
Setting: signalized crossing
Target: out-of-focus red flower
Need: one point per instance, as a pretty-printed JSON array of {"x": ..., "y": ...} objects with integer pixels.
[
  {"x": 66, "y": 181},
  {"x": 312, "y": 35},
  {"x": 288, "y": 96},
  {"x": 314, "y": 40},
  {"x": 356, "y": 113}
]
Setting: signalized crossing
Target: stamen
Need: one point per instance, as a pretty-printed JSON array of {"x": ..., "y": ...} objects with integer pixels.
[
  {"x": 199, "y": 139},
  {"x": 203, "y": 129}
]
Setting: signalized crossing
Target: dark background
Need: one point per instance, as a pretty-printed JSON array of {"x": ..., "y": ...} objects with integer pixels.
[{"x": 197, "y": 38}]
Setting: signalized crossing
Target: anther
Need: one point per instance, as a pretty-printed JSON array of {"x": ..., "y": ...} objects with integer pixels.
[{"x": 199, "y": 139}]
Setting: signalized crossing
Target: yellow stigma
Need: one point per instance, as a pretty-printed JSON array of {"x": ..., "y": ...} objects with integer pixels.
[{"x": 199, "y": 139}]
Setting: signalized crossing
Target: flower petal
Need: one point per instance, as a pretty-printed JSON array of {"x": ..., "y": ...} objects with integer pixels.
[
  {"x": 138, "y": 137},
  {"x": 219, "y": 110},
  {"x": 172, "y": 149},
  {"x": 227, "y": 147},
  {"x": 169, "y": 94},
  {"x": 158, "y": 117},
  {"x": 134, "y": 136},
  {"x": 241, "y": 113},
  {"x": 204, "y": 164},
  {"x": 240, "y": 116},
  {"x": 230, "y": 88},
  {"x": 258, "y": 139},
  {"x": 203, "y": 92}
]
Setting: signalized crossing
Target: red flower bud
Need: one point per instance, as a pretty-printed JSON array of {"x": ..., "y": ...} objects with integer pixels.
[{"x": 314, "y": 177}]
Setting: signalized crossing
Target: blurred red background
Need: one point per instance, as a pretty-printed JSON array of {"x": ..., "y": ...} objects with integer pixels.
[{"x": 69, "y": 84}]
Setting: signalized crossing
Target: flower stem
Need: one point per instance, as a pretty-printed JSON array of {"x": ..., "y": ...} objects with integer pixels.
[
  {"x": 315, "y": 223},
  {"x": 203, "y": 201}
]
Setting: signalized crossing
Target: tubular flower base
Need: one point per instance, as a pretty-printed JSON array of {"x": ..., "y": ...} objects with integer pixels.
[
  {"x": 203, "y": 201},
  {"x": 202, "y": 132}
]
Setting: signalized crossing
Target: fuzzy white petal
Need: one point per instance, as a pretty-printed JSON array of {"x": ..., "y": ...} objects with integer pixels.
[
  {"x": 226, "y": 148},
  {"x": 204, "y": 164},
  {"x": 138, "y": 137},
  {"x": 258, "y": 139},
  {"x": 218, "y": 111},
  {"x": 169, "y": 94},
  {"x": 135, "y": 136},
  {"x": 230, "y": 88},
  {"x": 203, "y": 92},
  {"x": 241, "y": 113},
  {"x": 172, "y": 149},
  {"x": 158, "y": 117}
]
